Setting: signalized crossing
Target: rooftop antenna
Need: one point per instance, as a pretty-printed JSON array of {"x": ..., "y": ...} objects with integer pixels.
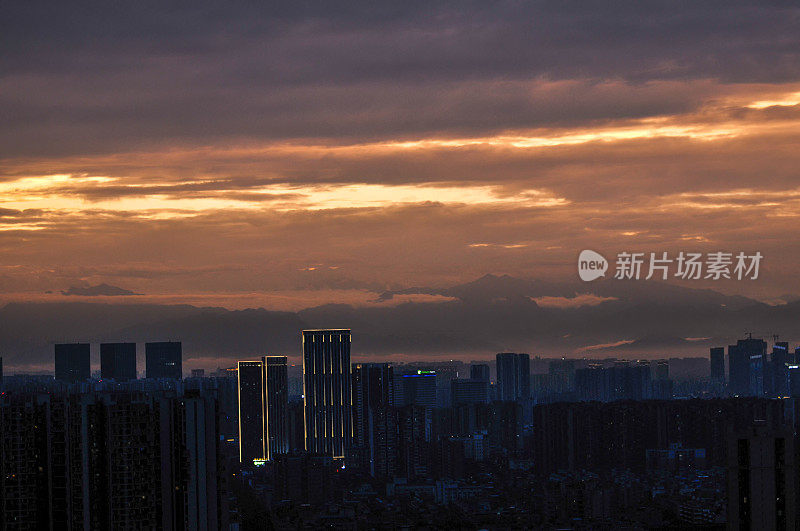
[{"x": 749, "y": 335}]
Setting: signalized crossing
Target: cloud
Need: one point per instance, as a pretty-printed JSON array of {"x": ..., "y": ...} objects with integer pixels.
[
  {"x": 204, "y": 75},
  {"x": 98, "y": 290},
  {"x": 215, "y": 154},
  {"x": 583, "y": 299},
  {"x": 605, "y": 346},
  {"x": 484, "y": 319}
]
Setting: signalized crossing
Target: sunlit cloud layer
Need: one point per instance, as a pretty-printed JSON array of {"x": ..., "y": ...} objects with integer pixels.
[{"x": 231, "y": 156}]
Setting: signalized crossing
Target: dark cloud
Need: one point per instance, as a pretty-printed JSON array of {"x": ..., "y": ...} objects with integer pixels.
[
  {"x": 106, "y": 290},
  {"x": 96, "y": 77},
  {"x": 487, "y": 317}
]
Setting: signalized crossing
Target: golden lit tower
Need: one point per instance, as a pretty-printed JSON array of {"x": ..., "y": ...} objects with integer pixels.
[{"x": 326, "y": 384}]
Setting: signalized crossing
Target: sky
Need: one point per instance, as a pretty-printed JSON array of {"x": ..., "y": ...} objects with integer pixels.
[{"x": 285, "y": 156}]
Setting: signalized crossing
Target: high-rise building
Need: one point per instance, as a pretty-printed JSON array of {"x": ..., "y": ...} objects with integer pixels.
[
  {"x": 164, "y": 359},
  {"x": 590, "y": 384},
  {"x": 110, "y": 460},
  {"x": 629, "y": 381},
  {"x": 252, "y": 422},
  {"x": 744, "y": 366},
  {"x": 196, "y": 438},
  {"x": 662, "y": 370},
  {"x": 374, "y": 418},
  {"x": 757, "y": 372},
  {"x": 793, "y": 377},
  {"x": 72, "y": 362},
  {"x": 414, "y": 441},
  {"x": 326, "y": 384},
  {"x": 561, "y": 375},
  {"x": 118, "y": 361},
  {"x": 762, "y": 493},
  {"x": 479, "y": 371},
  {"x": 624, "y": 381},
  {"x": 276, "y": 393},
  {"x": 778, "y": 373},
  {"x": 469, "y": 391},
  {"x": 513, "y": 376},
  {"x": 419, "y": 389},
  {"x": 717, "y": 356},
  {"x": 662, "y": 389}
]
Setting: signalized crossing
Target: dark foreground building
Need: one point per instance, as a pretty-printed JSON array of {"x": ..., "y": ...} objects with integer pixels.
[
  {"x": 762, "y": 475},
  {"x": 110, "y": 460}
]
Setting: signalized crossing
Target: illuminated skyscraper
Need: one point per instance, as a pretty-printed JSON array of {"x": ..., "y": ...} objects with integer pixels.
[
  {"x": 513, "y": 376},
  {"x": 326, "y": 384},
  {"x": 118, "y": 361},
  {"x": 251, "y": 411},
  {"x": 276, "y": 393},
  {"x": 164, "y": 360},
  {"x": 263, "y": 409},
  {"x": 72, "y": 362}
]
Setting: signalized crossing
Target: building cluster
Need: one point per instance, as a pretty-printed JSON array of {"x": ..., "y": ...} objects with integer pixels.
[
  {"x": 754, "y": 372},
  {"x": 110, "y": 459},
  {"x": 510, "y": 442},
  {"x": 366, "y": 415},
  {"x": 163, "y": 359}
]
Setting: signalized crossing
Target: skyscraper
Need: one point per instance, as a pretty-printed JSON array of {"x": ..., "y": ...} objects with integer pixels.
[
  {"x": 469, "y": 391},
  {"x": 419, "y": 388},
  {"x": 164, "y": 360},
  {"x": 118, "y": 361},
  {"x": 762, "y": 491},
  {"x": 251, "y": 411},
  {"x": 326, "y": 384},
  {"x": 778, "y": 369},
  {"x": 479, "y": 371},
  {"x": 513, "y": 376},
  {"x": 72, "y": 362},
  {"x": 276, "y": 393},
  {"x": 110, "y": 460},
  {"x": 374, "y": 418},
  {"x": 662, "y": 370},
  {"x": 745, "y": 373},
  {"x": 717, "y": 355}
]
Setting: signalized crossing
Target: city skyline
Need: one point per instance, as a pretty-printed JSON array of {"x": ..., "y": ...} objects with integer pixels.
[
  {"x": 400, "y": 264},
  {"x": 494, "y": 313}
]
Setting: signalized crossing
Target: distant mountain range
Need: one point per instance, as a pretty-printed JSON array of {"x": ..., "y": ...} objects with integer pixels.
[{"x": 476, "y": 320}]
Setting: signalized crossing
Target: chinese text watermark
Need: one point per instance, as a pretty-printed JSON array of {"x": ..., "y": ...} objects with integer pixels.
[{"x": 684, "y": 265}]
